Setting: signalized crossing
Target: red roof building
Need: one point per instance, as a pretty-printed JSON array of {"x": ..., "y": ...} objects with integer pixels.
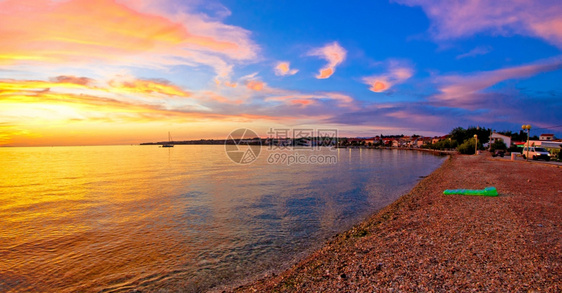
[{"x": 546, "y": 136}]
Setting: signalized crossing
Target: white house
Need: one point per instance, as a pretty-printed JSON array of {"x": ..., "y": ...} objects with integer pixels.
[
  {"x": 545, "y": 144},
  {"x": 496, "y": 136},
  {"x": 546, "y": 136}
]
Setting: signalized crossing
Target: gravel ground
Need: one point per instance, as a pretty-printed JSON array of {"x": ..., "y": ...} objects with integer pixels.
[{"x": 430, "y": 242}]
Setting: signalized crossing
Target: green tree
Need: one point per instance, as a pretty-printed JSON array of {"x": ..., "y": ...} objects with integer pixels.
[
  {"x": 482, "y": 133},
  {"x": 515, "y": 136},
  {"x": 460, "y": 134},
  {"x": 467, "y": 147}
]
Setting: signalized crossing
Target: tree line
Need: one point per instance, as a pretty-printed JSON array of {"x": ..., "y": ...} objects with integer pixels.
[{"x": 463, "y": 140}]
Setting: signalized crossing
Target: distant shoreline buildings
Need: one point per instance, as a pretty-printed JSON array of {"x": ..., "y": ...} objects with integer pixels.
[{"x": 397, "y": 141}]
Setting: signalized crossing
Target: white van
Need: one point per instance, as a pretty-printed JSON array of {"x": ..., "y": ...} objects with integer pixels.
[{"x": 536, "y": 153}]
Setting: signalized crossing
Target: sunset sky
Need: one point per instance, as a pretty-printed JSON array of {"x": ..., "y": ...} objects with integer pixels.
[{"x": 82, "y": 72}]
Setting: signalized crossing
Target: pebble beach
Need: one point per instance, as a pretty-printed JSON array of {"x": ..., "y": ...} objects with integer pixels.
[{"x": 430, "y": 242}]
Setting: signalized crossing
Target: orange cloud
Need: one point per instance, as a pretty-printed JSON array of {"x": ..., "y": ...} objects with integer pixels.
[
  {"x": 395, "y": 75},
  {"x": 50, "y": 100},
  {"x": 283, "y": 69},
  {"x": 379, "y": 86},
  {"x": 31, "y": 106},
  {"x": 48, "y": 112},
  {"x": 230, "y": 84},
  {"x": 325, "y": 73},
  {"x": 334, "y": 54},
  {"x": 227, "y": 83},
  {"x": 66, "y": 98},
  {"x": 73, "y": 80},
  {"x": 200, "y": 25},
  {"x": 255, "y": 85},
  {"x": 218, "y": 98},
  {"x": 129, "y": 85},
  {"x": 301, "y": 102},
  {"x": 8, "y": 131},
  {"x": 46, "y": 118},
  {"x": 17, "y": 86},
  {"x": 85, "y": 31},
  {"x": 147, "y": 87}
]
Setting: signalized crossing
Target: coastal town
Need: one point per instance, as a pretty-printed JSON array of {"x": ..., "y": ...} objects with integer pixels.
[{"x": 473, "y": 138}]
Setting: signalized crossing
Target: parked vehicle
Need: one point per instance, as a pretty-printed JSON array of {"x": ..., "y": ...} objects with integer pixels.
[
  {"x": 500, "y": 153},
  {"x": 536, "y": 153}
]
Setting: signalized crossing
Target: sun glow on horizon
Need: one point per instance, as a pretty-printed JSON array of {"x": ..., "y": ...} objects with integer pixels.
[{"x": 78, "y": 72}]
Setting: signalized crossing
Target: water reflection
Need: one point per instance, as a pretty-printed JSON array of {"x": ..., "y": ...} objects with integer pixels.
[{"x": 140, "y": 217}]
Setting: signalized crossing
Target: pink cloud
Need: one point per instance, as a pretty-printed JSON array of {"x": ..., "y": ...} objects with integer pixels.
[
  {"x": 82, "y": 31},
  {"x": 455, "y": 19},
  {"x": 34, "y": 100},
  {"x": 475, "y": 52},
  {"x": 225, "y": 83},
  {"x": 200, "y": 24},
  {"x": 73, "y": 79},
  {"x": 344, "y": 100},
  {"x": 126, "y": 99},
  {"x": 334, "y": 54},
  {"x": 378, "y": 85},
  {"x": 302, "y": 103},
  {"x": 466, "y": 91},
  {"x": 146, "y": 87},
  {"x": 325, "y": 73},
  {"x": 230, "y": 84},
  {"x": 218, "y": 98},
  {"x": 412, "y": 115},
  {"x": 304, "y": 99},
  {"x": 255, "y": 85},
  {"x": 283, "y": 69},
  {"x": 259, "y": 96},
  {"x": 395, "y": 75}
]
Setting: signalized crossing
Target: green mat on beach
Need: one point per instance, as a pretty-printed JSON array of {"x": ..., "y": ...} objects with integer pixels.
[{"x": 488, "y": 191}]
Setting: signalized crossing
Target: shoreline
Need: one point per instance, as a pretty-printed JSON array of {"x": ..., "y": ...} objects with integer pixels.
[{"x": 428, "y": 241}]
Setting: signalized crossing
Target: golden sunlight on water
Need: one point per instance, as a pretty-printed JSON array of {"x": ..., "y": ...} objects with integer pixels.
[{"x": 119, "y": 218}]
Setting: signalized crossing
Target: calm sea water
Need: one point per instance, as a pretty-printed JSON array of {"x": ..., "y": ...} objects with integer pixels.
[{"x": 123, "y": 218}]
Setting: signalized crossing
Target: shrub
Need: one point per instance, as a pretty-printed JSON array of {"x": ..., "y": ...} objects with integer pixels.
[
  {"x": 557, "y": 153},
  {"x": 467, "y": 147},
  {"x": 441, "y": 145},
  {"x": 498, "y": 145}
]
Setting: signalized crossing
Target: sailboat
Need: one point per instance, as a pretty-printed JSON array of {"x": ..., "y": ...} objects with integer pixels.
[{"x": 169, "y": 144}]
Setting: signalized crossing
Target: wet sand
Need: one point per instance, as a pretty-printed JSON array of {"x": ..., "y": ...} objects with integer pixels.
[{"x": 427, "y": 241}]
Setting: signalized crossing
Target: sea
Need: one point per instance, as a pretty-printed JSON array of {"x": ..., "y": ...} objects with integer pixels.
[{"x": 183, "y": 219}]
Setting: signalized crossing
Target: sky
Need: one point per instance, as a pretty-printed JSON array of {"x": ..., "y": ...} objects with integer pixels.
[{"x": 81, "y": 72}]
